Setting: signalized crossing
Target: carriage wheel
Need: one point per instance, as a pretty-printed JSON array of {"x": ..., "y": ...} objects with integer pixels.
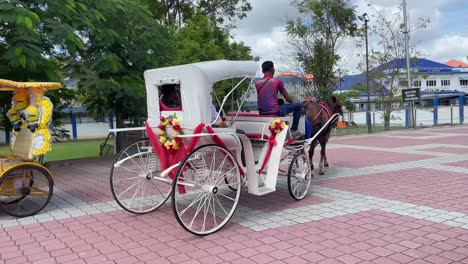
[
  {"x": 25, "y": 190},
  {"x": 135, "y": 182},
  {"x": 201, "y": 199},
  {"x": 299, "y": 176}
]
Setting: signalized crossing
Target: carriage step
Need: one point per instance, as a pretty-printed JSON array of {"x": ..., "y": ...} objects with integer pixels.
[{"x": 264, "y": 190}]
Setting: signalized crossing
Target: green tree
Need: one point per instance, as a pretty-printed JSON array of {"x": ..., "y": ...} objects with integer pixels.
[
  {"x": 175, "y": 13},
  {"x": 121, "y": 43},
  {"x": 316, "y": 36},
  {"x": 35, "y": 38},
  {"x": 387, "y": 61},
  {"x": 201, "y": 39}
]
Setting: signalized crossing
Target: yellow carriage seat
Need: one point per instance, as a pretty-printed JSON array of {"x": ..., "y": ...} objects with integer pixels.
[
  {"x": 22, "y": 149},
  {"x": 34, "y": 139}
]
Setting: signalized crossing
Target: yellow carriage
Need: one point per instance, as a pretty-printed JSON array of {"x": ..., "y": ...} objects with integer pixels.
[{"x": 25, "y": 185}]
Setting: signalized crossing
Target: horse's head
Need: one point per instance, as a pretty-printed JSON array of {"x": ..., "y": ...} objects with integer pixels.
[{"x": 335, "y": 105}]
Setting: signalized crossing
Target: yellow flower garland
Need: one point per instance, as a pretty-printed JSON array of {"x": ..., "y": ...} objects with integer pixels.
[
  {"x": 46, "y": 114},
  {"x": 169, "y": 144},
  {"x": 276, "y": 126},
  {"x": 45, "y": 147}
]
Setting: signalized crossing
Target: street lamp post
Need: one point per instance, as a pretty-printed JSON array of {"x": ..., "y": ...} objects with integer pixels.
[{"x": 365, "y": 18}]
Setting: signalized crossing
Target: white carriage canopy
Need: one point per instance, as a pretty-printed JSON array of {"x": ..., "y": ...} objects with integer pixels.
[{"x": 196, "y": 85}]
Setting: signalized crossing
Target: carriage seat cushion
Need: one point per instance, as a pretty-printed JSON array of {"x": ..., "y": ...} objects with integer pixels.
[
  {"x": 164, "y": 107},
  {"x": 255, "y": 117}
]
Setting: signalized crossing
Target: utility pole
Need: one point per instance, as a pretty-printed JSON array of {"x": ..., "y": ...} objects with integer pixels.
[
  {"x": 365, "y": 18},
  {"x": 408, "y": 76}
]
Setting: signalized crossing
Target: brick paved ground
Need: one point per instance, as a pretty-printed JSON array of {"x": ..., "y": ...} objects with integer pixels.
[{"x": 387, "y": 198}]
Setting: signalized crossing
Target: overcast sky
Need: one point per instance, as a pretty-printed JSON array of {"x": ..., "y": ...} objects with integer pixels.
[{"x": 446, "y": 36}]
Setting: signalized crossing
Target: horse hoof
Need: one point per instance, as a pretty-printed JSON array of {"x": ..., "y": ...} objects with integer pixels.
[
  {"x": 321, "y": 173},
  {"x": 326, "y": 165}
]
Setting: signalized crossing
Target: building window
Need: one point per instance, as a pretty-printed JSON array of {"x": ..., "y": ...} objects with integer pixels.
[
  {"x": 431, "y": 83},
  {"x": 463, "y": 82},
  {"x": 445, "y": 82},
  {"x": 417, "y": 83}
]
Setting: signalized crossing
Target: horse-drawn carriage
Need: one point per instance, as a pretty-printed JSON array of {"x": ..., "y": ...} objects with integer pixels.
[
  {"x": 25, "y": 185},
  {"x": 202, "y": 167}
]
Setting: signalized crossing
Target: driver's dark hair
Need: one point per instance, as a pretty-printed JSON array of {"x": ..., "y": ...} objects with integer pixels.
[{"x": 267, "y": 66}]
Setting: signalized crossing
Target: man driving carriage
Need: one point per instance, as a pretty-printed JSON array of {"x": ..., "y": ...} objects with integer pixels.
[{"x": 267, "y": 94}]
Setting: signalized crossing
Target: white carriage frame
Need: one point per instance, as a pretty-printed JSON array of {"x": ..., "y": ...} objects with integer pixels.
[{"x": 196, "y": 82}]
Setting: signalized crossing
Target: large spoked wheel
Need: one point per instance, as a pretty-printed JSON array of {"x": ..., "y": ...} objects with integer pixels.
[
  {"x": 25, "y": 189},
  {"x": 202, "y": 199},
  {"x": 135, "y": 179},
  {"x": 299, "y": 176}
]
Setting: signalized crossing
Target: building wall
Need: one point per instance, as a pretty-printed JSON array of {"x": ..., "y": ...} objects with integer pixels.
[
  {"x": 95, "y": 130},
  {"x": 455, "y": 83}
]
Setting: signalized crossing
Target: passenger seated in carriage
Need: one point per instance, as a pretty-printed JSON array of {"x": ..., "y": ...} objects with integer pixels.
[
  {"x": 170, "y": 96},
  {"x": 267, "y": 94},
  {"x": 219, "y": 122}
]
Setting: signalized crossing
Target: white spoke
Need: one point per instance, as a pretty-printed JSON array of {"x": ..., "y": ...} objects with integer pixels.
[
  {"x": 220, "y": 167},
  {"x": 129, "y": 169},
  {"x": 200, "y": 205},
  {"x": 213, "y": 206},
  {"x": 212, "y": 165},
  {"x": 130, "y": 157},
  {"x": 205, "y": 211},
  {"x": 131, "y": 186},
  {"x": 142, "y": 195},
  {"x": 220, "y": 205},
  {"x": 227, "y": 197},
  {"x": 157, "y": 188},
  {"x": 126, "y": 179},
  {"x": 192, "y": 203},
  {"x": 224, "y": 175},
  {"x": 136, "y": 192}
]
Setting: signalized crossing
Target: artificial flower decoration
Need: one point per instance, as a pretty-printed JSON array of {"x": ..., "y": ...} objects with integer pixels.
[
  {"x": 169, "y": 144},
  {"x": 276, "y": 126}
]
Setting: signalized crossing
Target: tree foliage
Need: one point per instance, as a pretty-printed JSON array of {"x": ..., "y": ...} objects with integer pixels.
[
  {"x": 201, "y": 39},
  {"x": 105, "y": 46},
  {"x": 175, "y": 13},
  {"x": 121, "y": 44},
  {"x": 316, "y": 36},
  {"x": 35, "y": 38},
  {"x": 386, "y": 72}
]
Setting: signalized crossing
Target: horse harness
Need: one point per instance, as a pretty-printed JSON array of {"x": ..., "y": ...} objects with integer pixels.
[{"x": 323, "y": 107}]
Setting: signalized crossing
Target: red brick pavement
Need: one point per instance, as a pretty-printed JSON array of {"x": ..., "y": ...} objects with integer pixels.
[
  {"x": 369, "y": 236},
  {"x": 433, "y": 188},
  {"x": 117, "y": 237}
]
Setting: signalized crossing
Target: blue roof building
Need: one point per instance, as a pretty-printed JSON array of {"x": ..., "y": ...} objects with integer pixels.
[{"x": 433, "y": 78}]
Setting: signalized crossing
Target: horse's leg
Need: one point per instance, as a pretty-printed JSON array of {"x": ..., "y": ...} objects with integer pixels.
[
  {"x": 311, "y": 154},
  {"x": 322, "y": 155},
  {"x": 327, "y": 137}
]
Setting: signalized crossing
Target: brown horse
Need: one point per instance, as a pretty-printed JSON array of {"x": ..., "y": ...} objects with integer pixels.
[{"x": 318, "y": 114}]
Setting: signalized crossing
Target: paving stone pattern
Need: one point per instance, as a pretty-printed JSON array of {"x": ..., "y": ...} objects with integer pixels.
[{"x": 397, "y": 197}]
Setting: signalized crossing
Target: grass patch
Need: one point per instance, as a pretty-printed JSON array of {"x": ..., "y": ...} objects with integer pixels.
[{"x": 69, "y": 150}]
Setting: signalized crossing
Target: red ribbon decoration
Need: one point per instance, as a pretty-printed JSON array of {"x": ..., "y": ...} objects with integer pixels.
[
  {"x": 169, "y": 157},
  {"x": 166, "y": 157},
  {"x": 271, "y": 143}
]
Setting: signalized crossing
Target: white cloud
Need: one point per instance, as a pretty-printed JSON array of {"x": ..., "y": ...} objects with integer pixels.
[
  {"x": 264, "y": 31},
  {"x": 447, "y": 47}
]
